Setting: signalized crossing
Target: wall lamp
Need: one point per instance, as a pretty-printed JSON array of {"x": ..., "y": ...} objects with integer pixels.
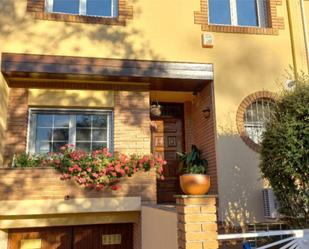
[{"x": 206, "y": 113}]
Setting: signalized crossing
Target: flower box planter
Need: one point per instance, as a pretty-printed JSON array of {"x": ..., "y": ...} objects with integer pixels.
[{"x": 45, "y": 183}]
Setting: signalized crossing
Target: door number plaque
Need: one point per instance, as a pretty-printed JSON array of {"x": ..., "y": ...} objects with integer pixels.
[{"x": 111, "y": 239}]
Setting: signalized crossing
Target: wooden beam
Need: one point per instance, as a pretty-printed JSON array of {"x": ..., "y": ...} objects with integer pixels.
[{"x": 182, "y": 76}]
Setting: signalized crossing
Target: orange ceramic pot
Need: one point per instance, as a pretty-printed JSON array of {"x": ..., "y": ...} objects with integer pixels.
[{"x": 195, "y": 184}]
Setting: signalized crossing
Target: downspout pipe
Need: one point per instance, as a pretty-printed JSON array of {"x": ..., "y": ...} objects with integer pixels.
[{"x": 305, "y": 30}]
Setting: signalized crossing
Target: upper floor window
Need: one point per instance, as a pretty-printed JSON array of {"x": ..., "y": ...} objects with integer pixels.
[
  {"x": 101, "y": 8},
  {"x": 51, "y": 129},
  {"x": 251, "y": 13}
]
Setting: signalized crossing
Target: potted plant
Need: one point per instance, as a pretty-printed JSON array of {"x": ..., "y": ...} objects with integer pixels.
[{"x": 193, "y": 168}]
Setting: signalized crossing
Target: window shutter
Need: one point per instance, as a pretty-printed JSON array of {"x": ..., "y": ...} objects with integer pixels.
[{"x": 262, "y": 10}]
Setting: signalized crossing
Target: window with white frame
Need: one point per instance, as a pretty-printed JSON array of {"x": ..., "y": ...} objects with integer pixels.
[
  {"x": 250, "y": 13},
  {"x": 255, "y": 117},
  {"x": 100, "y": 8},
  {"x": 51, "y": 129}
]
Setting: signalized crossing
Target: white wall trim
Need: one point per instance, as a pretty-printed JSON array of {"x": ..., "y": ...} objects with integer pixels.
[
  {"x": 71, "y": 206},
  {"x": 3, "y": 239}
]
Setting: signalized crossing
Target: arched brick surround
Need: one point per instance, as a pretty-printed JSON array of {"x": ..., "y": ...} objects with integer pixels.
[{"x": 240, "y": 115}]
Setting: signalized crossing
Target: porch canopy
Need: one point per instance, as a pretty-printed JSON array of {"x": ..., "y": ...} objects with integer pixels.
[{"x": 67, "y": 72}]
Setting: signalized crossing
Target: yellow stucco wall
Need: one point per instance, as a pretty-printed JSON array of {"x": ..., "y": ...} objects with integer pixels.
[
  {"x": 165, "y": 30},
  {"x": 306, "y": 5},
  {"x": 3, "y": 239},
  {"x": 71, "y": 98}
]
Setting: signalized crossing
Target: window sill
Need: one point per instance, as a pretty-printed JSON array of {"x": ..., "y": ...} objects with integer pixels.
[
  {"x": 79, "y": 18},
  {"x": 239, "y": 29}
]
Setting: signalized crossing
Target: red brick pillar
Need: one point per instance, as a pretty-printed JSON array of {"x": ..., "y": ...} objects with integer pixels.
[
  {"x": 17, "y": 124},
  {"x": 197, "y": 222}
]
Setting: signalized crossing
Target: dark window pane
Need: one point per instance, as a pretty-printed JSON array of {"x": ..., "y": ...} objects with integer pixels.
[
  {"x": 99, "y": 135},
  {"x": 44, "y": 120},
  {"x": 83, "y": 146},
  {"x": 83, "y": 134},
  {"x": 247, "y": 13},
  {"x": 99, "y": 121},
  {"x": 61, "y": 134},
  {"x": 66, "y": 6},
  {"x": 62, "y": 121},
  {"x": 98, "y": 146},
  {"x": 58, "y": 145},
  {"x": 219, "y": 12},
  {"x": 44, "y": 134},
  {"x": 99, "y": 7},
  {"x": 42, "y": 147},
  {"x": 83, "y": 121}
]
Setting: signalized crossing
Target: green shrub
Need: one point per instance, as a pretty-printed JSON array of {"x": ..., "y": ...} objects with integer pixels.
[
  {"x": 25, "y": 160},
  {"x": 285, "y": 154}
]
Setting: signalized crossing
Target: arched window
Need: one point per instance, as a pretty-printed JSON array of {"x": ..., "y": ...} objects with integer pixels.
[
  {"x": 255, "y": 117},
  {"x": 252, "y": 115}
]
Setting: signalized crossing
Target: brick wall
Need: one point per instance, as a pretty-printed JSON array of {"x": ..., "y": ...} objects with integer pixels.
[
  {"x": 131, "y": 135},
  {"x": 132, "y": 122},
  {"x": 188, "y": 125},
  {"x": 4, "y": 97},
  {"x": 197, "y": 222},
  {"x": 201, "y": 131},
  {"x": 17, "y": 123},
  {"x": 45, "y": 183}
]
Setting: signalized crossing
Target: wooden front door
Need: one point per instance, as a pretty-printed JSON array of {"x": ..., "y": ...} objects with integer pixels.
[
  {"x": 167, "y": 139},
  {"x": 107, "y": 236}
]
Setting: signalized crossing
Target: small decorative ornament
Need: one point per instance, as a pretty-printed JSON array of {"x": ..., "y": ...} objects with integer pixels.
[{"x": 155, "y": 110}]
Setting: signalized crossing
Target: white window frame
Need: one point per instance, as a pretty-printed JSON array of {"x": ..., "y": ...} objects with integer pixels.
[
  {"x": 31, "y": 136},
  {"x": 49, "y": 6},
  {"x": 261, "y": 6}
]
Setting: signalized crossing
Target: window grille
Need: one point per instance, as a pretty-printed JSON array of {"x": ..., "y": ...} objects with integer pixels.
[{"x": 255, "y": 118}]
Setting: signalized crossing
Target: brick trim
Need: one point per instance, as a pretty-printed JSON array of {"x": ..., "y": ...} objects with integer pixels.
[
  {"x": 17, "y": 124},
  {"x": 37, "y": 7},
  {"x": 197, "y": 222},
  {"x": 240, "y": 116},
  {"x": 275, "y": 23}
]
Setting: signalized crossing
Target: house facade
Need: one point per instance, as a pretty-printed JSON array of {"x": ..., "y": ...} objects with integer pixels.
[{"x": 87, "y": 72}]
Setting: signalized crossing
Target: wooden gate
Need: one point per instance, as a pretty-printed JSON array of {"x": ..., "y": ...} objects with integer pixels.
[
  {"x": 109, "y": 236},
  {"x": 40, "y": 238}
]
